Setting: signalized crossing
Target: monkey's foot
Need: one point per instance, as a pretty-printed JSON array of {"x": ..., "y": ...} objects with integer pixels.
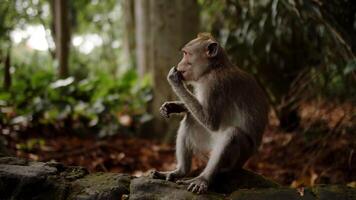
[
  {"x": 197, "y": 185},
  {"x": 169, "y": 176}
]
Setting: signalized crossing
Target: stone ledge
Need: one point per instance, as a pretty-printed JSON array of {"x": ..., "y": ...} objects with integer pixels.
[{"x": 22, "y": 179}]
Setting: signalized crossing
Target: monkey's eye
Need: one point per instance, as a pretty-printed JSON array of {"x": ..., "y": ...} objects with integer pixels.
[{"x": 186, "y": 53}]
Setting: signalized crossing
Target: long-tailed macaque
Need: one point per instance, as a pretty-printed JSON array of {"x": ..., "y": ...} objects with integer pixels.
[{"x": 225, "y": 116}]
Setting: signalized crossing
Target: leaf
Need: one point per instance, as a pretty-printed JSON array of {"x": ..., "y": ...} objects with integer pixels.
[
  {"x": 350, "y": 67},
  {"x": 62, "y": 82},
  {"x": 20, "y": 120}
]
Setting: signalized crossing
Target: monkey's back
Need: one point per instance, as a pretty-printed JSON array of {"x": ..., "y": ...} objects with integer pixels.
[{"x": 243, "y": 102}]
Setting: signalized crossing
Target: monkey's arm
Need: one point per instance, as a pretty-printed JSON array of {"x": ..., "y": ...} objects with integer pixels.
[{"x": 190, "y": 101}]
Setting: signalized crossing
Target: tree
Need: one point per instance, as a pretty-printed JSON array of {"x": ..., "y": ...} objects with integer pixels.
[
  {"x": 8, "y": 16},
  {"x": 162, "y": 27},
  {"x": 142, "y": 36},
  {"x": 7, "y": 74},
  {"x": 62, "y": 35},
  {"x": 129, "y": 31}
]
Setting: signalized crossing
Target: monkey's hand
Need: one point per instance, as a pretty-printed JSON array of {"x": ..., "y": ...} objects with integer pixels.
[
  {"x": 174, "y": 77},
  {"x": 172, "y": 107}
]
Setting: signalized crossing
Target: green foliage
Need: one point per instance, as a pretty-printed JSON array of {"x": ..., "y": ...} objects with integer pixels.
[
  {"x": 95, "y": 103},
  {"x": 31, "y": 144},
  {"x": 280, "y": 41},
  {"x": 17, "y": 13},
  {"x": 7, "y": 21},
  {"x": 93, "y": 16},
  {"x": 99, "y": 97}
]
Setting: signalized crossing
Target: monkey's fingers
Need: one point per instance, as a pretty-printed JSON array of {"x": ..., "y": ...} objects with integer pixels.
[
  {"x": 197, "y": 187},
  {"x": 175, "y": 76},
  {"x": 164, "y": 112},
  {"x": 172, "y": 70},
  {"x": 202, "y": 189}
]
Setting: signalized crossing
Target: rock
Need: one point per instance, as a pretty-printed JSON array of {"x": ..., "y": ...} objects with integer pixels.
[
  {"x": 241, "y": 179},
  {"x": 327, "y": 192},
  {"x": 331, "y": 192},
  {"x": 73, "y": 173},
  {"x": 271, "y": 193},
  {"x": 147, "y": 188},
  {"x": 101, "y": 186},
  {"x": 26, "y": 172},
  {"x": 13, "y": 161},
  {"x": 22, "y": 179}
]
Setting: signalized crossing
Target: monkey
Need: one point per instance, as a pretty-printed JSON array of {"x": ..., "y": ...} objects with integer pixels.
[{"x": 225, "y": 114}]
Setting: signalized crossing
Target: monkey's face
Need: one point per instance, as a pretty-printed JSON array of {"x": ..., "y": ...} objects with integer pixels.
[{"x": 196, "y": 58}]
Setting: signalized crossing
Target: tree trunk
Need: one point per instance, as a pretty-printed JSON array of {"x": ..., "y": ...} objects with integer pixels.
[
  {"x": 62, "y": 35},
  {"x": 143, "y": 35},
  {"x": 7, "y": 74},
  {"x": 3, "y": 149},
  {"x": 129, "y": 32},
  {"x": 173, "y": 23}
]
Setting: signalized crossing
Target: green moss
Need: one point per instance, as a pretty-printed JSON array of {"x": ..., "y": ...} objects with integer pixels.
[
  {"x": 105, "y": 185},
  {"x": 271, "y": 193},
  {"x": 73, "y": 173},
  {"x": 13, "y": 161},
  {"x": 331, "y": 192},
  {"x": 57, "y": 188},
  {"x": 147, "y": 188}
]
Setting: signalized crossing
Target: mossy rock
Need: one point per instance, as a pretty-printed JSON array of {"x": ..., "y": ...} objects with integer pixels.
[
  {"x": 241, "y": 179},
  {"x": 13, "y": 161},
  {"x": 100, "y": 186},
  {"x": 35, "y": 180},
  {"x": 225, "y": 184},
  {"x": 331, "y": 192},
  {"x": 326, "y": 192},
  {"x": 22, "y": 179},
  {"x": 272, "y": 193},
  {"x": 147, "y": 188}
]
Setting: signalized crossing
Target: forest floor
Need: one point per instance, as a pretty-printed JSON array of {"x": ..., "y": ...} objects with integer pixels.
[{"x": 322, "y": 151}]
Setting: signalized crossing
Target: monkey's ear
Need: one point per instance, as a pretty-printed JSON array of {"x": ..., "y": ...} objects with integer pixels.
[{"x": 212, "y": 49}]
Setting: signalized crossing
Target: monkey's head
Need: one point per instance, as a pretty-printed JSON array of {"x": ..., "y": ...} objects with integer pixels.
[{"x": 198, "y": 56}]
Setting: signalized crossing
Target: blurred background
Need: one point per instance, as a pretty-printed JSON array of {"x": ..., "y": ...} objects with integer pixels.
[{"x": 82, "y": 81}]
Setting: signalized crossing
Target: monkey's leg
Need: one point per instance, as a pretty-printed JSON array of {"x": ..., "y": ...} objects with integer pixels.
[
  {"x": 183, "y": 153},
  {"x": 226, "y": 155}
]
